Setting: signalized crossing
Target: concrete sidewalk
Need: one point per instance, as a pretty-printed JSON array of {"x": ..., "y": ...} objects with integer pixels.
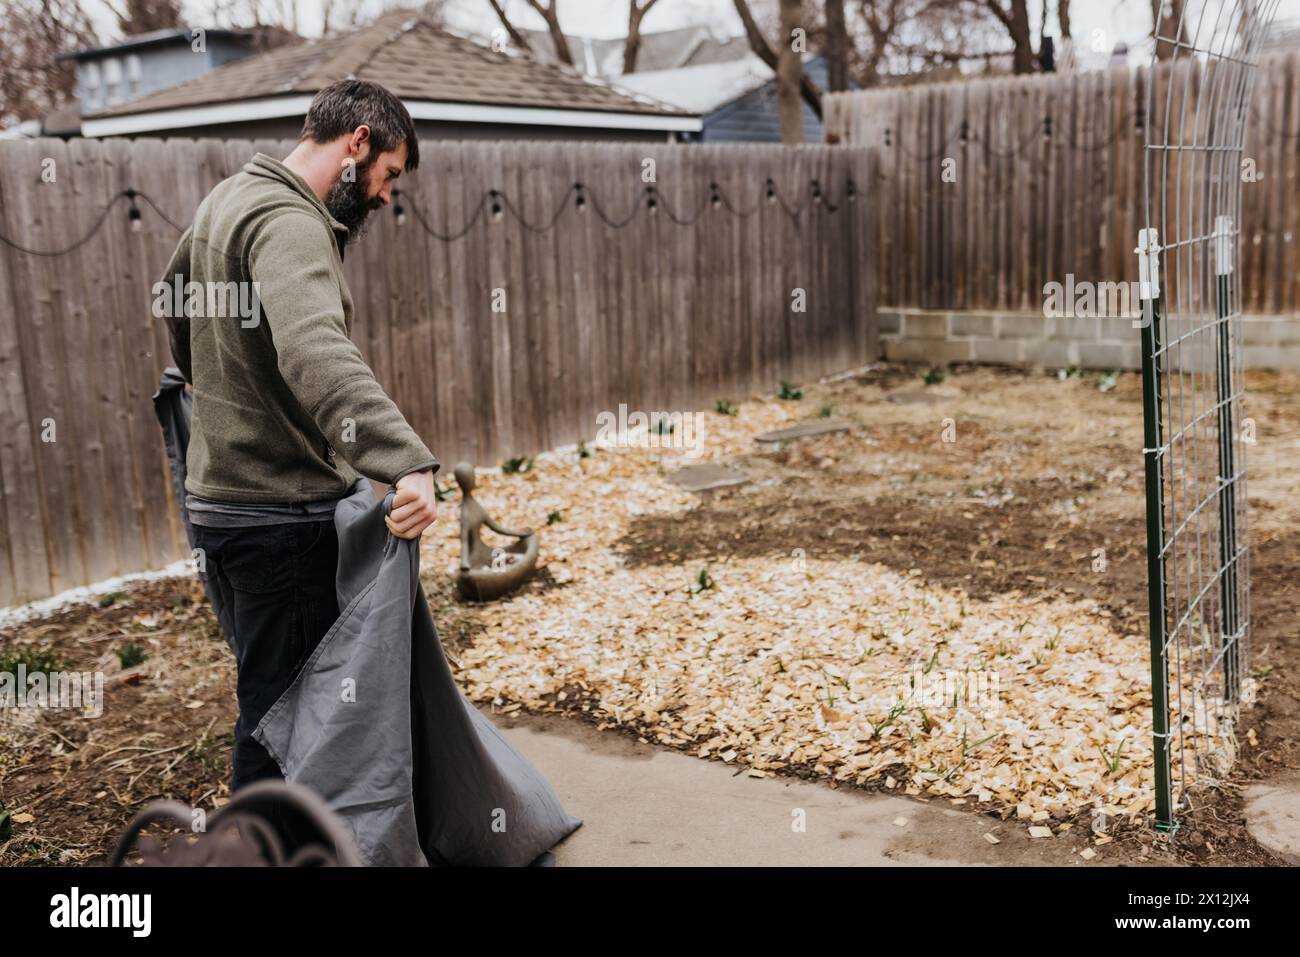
[{"x": 642, "y": 805}]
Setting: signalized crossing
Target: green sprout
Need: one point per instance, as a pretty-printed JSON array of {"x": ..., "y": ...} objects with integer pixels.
[
  {"x": 704, "y": 581},
  {"x": 112, "y": 598},
  {"x": 130, "y": 655},
  {"x": 1112, "y": 761}
]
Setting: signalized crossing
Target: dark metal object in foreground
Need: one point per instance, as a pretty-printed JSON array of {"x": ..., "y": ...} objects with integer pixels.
[{"x": 244, "y": 833}]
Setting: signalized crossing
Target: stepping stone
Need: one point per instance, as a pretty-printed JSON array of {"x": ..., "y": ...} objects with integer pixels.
[
  {"x": 913, "y": 398},
  {"x": 1273, "y": 817},
  {"x": 926, "y": 396},
  {"x": 802, "y": 431},
  {"x": 702, "y": 478}
]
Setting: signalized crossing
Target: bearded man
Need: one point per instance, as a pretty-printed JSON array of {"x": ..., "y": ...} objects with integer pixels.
[{"x": 286, "y": 414}]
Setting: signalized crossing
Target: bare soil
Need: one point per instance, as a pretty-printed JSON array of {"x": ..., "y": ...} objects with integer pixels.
[{"x": 1042, "y": 474}]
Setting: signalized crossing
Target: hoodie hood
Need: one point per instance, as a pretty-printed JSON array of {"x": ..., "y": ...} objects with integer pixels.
[{"x": 272, "y": 168}]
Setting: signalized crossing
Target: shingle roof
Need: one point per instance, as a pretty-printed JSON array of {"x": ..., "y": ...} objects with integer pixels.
[
  {"x": 663, "y": 50},
  {"x": 152, "y": 38},
  {"x": 702, "y": 88},
  {"x": 409, "y": 56}
]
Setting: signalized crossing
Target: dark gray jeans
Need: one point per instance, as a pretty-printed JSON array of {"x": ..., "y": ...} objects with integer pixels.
[{"x": 278, "y": 599}]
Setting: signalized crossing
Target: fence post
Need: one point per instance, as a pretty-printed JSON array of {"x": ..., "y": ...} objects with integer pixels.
[
  {"x": 1223, "y": 250},
  {"x": 1148, "y": 250}
]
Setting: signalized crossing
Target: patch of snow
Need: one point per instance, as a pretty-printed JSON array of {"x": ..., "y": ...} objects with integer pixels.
[{"x": 89, "y": 594}]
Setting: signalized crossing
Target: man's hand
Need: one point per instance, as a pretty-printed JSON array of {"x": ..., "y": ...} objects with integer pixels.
[{"x": 414, "y": 506}]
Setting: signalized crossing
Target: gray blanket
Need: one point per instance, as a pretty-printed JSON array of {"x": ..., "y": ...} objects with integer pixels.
[{"x": 376, "y": 726}]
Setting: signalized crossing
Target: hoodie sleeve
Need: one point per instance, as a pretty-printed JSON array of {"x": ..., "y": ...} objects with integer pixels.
[
  {"x": 290, "y": 263},
  {"x": 174, "y": 278}
]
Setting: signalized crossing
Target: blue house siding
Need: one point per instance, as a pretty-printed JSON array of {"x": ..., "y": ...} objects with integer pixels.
[
  {"x": 753, "y": 118},
  {"x": 162, "y": 63}
]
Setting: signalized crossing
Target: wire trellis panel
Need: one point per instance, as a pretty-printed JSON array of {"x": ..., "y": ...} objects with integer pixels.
[{"x": 1198, "y": 561}]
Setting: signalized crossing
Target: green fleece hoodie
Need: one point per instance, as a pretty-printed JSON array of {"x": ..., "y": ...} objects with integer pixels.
[{"x": 279, "y": 387}]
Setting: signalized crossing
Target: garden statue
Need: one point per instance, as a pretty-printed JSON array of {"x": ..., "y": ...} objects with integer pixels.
[{"x": 488, "y": 572}]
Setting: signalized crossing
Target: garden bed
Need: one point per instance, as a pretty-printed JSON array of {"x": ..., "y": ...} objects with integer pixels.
[{"x": 813, "y": 621}]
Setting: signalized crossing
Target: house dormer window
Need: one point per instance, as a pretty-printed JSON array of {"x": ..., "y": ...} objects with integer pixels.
[
  {"x": 113, "y": 79},
  {"x": 133, "y": 73},
  {"x": 90, "y": 85}
]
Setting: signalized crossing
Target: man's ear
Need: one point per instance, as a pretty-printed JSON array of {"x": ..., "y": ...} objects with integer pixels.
[{"x": 359, "y": 143}]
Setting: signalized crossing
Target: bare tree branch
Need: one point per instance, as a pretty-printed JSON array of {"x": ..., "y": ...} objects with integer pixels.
[
  {"x": 32, "y": 82},
  {"x": 808, "y": 89},
  {"x": 636, "y": 12},
  {"x": 789, "y": 71},
  {"x": 837, "y": 46},
  {"x": 1015, "y": 18},
  {"x": 551, "y": 14},
  {"x": 1171, "y": 28},
  {"x": 995, "y": 8},
  {"x": 517, "y": 38}
]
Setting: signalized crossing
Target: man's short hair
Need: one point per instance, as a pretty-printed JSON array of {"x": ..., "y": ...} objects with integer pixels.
[{"x": 344, "y": 105}]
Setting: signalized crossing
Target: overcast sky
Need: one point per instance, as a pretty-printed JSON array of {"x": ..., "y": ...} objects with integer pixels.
[{"x": 1095, "y": 23}]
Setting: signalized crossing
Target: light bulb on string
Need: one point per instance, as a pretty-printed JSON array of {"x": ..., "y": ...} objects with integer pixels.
[
  {"x": 399, "y": 213},
  {"x": 133, "y": 214}
]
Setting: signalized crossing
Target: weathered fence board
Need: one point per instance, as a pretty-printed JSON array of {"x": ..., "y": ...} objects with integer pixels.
[
  {"x": 665, "y": 310},
  {"x": 1031, "y": 203}
]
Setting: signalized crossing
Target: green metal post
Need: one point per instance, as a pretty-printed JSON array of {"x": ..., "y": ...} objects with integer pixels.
[
  {"x": 1149, "y": 270},
  {"x": 1227, "y": 465}
]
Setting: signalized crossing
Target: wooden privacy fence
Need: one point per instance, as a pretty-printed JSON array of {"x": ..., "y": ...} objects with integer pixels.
[
  {"x": 989, "y": 189},
  {"x": 502, "y": 323}
]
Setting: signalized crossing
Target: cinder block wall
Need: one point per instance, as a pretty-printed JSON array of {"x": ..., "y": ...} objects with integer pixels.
[{"x": 1032, "y": 339}]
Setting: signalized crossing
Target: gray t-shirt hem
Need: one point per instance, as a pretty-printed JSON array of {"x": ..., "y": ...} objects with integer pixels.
[{"x": 212, "y": 514}]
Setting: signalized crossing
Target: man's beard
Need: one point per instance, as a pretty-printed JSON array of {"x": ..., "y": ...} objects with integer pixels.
[{"x": 347, "y": 201}]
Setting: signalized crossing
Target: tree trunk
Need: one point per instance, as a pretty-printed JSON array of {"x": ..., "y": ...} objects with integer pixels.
[
  {"x": 837, "y": 47},
  {"x": 552, "y": 17},
  {"x": 1023, "y": 59},
  {"x": 789, "y": 69},
  {"x": 1170, "y": 28},
  {"x": 636, "y": 12},
  {"x": 810, "y": 91}
]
